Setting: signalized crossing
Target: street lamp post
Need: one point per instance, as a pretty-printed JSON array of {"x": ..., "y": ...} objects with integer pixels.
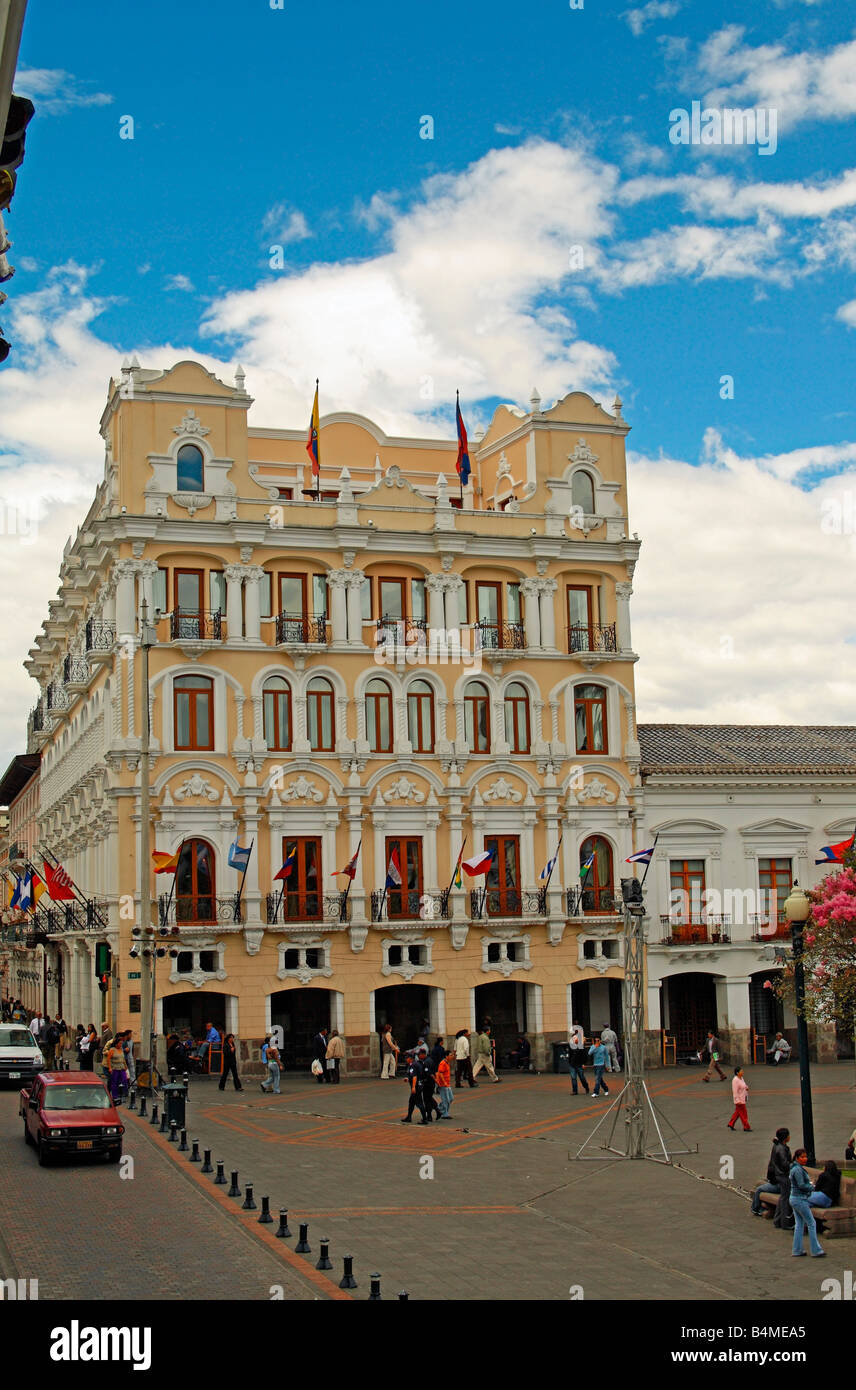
[
  {"x": 798, "y": 911},
  {"x": 148, "y": 638}
]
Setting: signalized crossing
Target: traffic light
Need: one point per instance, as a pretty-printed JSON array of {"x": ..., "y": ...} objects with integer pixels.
[
  {"x": 103, "y": 960},
  {"x": 21, "y": 112}
]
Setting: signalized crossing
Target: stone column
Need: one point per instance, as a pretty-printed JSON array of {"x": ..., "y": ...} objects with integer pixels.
[
  {"x": 452, "y": 585},
  {"x": 254, "y": 576},
  {"x": 355, "y": 608},
  {"x": 124, "y": 572},
  {"x": 436, "y": 586},
  {"x": 547, "y": 588},
  {"x": 234, "y": 626},
  {"x": 732, "y": 1007},
  {"x": 622, "y": 616},
  {"x": 148, "y": 570},
  {"x": 530, "y": 589},
  {"x": 337, "y": 583}
]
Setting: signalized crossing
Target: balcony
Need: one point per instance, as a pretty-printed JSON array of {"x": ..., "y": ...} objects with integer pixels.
[
  {"x": 410, "y": 906},
  {"x": 764, "y": 928},
  {"x": 76, "y": 672},
  {"x": 306, "y": 909},
  {"x": 296, "y": 629},
  {"x": 195, "y": 625},
  {"x": 593, "y": 638},
  {"x": 90, "y": 915},
  {"x": 56, "y": 699},
  {"x": 401, "y": 632},
  {"x": 708, "y": 930},
  {"x": 201, "y": 911},
  {"x": 37, "y": 716},
  {"x": 592, "y": 902},
  {"x": 506, "y": 902},
  {"x": 500, "y": 637},
  {"x": 100, "y": 637}
]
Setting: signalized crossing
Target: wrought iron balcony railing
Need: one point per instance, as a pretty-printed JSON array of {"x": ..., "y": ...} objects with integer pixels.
[
  {"x": 296, "y": 908},
  {"x": 401, "y": 631},
  {"x": 57, "y": 918},
  {"x": 707, "y": 929},
  {"x": 297, "y": 627},
  {"x": 766, "y": 928},
  {"x": 507, "y": 902},
  {"x": 409, "y": 905},
  {"x": 501, "y": 636},
  {"x": 592, "y": 637},
  {"x": 75, "y": 669},
  {"x": 592, "y": 902},
  {"x": 195, "y": 625},
  {"x": 57, "y": 697},
  {"x": 100, "y": 636},
  {"x": 38, "y": 718},
  {"x": 200, "y": 911}
]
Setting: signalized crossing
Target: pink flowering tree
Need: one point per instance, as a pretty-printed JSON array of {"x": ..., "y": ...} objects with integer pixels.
[{"x": 830, "y": 951}]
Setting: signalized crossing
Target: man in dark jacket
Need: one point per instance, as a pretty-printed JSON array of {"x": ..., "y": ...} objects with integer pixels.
[
  {"x": 319, "y": 1052},
  {"x": 415, "y": 1074},
  {"x": 778, "y": 1170},
  {"x": 429, "y": 1086},
  {"x": 577, "y": 1058}
]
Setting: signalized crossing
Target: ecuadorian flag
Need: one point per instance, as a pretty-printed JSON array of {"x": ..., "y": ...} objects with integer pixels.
[
  {"x": 313, "y": 445},
  {"x": 462, "y": 463}
]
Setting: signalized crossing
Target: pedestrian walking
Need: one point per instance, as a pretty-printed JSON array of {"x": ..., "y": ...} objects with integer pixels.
[
  {"x": 463, "y": 1062},
  {"x": 778, "y": 1177},
  {"x": 319, "y": 1053},
  {"x": 130, "y": 1060},
  {"x": 335, "y": 1056},
  {"x": 48, "y": 1040},
  {"x": 444, "y": 1083},
  {"x": 230, "y": 1063},
  {"x": 609, "y": 1038},
  {"x": 438, "y": 1052},
  {"x": 415, "y": 1100},
  {"x": 740, "y": 1092},
  {"x": 114, "y": 1065},
  {"x": 484, "y": 1057},
  {"x": 577, "y": 1057},
  {"x": 600, "y": 1059},
  {"x": 429, "y": 1086},
  {"x": 389, "y": 1050},
  {"x": 801, "y": 1190},
  {"x": 270, "y": 1056},
  {"x": 713, "y": 1048}
]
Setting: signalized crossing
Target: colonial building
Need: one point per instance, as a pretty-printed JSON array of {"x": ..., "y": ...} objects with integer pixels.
[
  {"x": 22, "y": 970},
  {"x": 740, "y": 813},
  {"x": 382, "y": 661}
]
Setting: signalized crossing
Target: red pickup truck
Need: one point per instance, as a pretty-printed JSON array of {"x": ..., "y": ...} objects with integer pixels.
[{"x": 70, "y": 1112}]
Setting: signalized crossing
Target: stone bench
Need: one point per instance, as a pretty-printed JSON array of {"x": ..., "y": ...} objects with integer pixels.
[{"x": 840, "y": 1220}]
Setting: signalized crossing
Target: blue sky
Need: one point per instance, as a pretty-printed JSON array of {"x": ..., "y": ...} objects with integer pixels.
[{"x": 450, "y": 259}]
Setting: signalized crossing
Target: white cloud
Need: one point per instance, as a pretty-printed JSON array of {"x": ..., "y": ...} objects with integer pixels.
[
  {"x": 639, "y": 19},
  {"x": 179, "y": 282},
  {"x": 847, "y": 313},
  {"x": 698, "y": 252},
  {"x": 800, "y": 86},
  {"x": 737, "y": 558},
  {"x": 721, "y": 196},
  {"x": 54, "y": 91},
  {"x": 285, "y": 225}
]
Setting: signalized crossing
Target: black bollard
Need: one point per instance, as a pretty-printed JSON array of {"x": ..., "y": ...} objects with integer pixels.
[
  {"x": 154, "y": 1119},
  {"x": 249, "y": 1204},
  {"x": 142, "y": 1107},
  {"x": 194, "y": 1157},
  {"x": 182, "y": 1148},
  {"x": 374, "y": 1296},
  {"x": 220, "y": 1180},
  {"x": 404, "y": 1294},
  {"x": 132, "y": 1099},
  {"x": 234, "y": 1190},
  {"x": 173, "y": 1130},
  {"x": 164, "y": 1126},
  {"x": 265, "y": 1219},
  {"x": 325, "y": 1262},
  {"x": 282, "y": 1229},
  {"x": 206, "y": 1166},
  {"x": 347, "y": 1280},
  {"x": 303, "y": 1247}
]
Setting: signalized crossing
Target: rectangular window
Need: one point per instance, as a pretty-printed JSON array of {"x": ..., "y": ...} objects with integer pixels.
[
  {"x": 302, "y": 901},
  {"x": 503, "y": 877},
  {"x": 218, "y": 591},
  {"x": 292, "y": 595},
  {"x": 188, "y": 591},
  {"x": 418, "y": 609},
  {"x": 208, "y": 962},
  {"x": 366, "y": 600},
  {"x": 404, "y": 901},
  {"x": 265, "y": 596},
  {"x": 513, "y": 598},
  {"x": 464, "y": 604},
  {"x": 391, "y": 598},
  {"x": 159, "y": 591},
  {"x": 319, "y": 595},
  {"x": 775, "y": 879},
  {"x": 184, "y": 962},
  {"x": 580, "y": 618},
  {"x": 686, "y": 877}
]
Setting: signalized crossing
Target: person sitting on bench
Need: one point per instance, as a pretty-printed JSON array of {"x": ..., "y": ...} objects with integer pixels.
[
  {"x": 780, "y": 1051},
  {"x": 211, "y": 1036},
  {"x": 521, "y": 1054}
]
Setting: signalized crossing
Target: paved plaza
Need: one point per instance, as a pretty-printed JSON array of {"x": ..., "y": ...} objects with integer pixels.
[{"x": 488, "y": 1205}]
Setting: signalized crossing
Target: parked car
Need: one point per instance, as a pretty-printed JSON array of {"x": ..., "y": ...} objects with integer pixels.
[
  {"x": 70, "y": 1112},
  {"x": 20, "y": 1055}
]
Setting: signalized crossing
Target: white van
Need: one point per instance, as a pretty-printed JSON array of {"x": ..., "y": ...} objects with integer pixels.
[{"x": 20, "y": 1055}]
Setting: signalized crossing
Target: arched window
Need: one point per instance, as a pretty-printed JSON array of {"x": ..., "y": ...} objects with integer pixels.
[
  {"x": 590, "y": 718},
  {"x": 477, "y": 717},
  {"x": 379, "y": 716},
  {"x": 420, "y": 717},
  {"x": 190, "y": 469},
  {"x": 193, "y": 705},
  {"x": 320, "y": 725},
  {"x": 517, "y": 717},
  {"x": 195, "y": 887},
  {"x": 582, "y": 492},
  {"x": 276, "y": 700},
  {"x": 597, "y": 884}
]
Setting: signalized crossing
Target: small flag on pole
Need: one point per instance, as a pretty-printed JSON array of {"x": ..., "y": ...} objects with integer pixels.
[
  {"x": 462, "y": 463},
  {"x": 834, "y": 854},
  {"x": 479, "y": 864},
  {"x": 549, "y": 867},
  {"x": 164, "y": 862},
  {"x": 456, "y": 877},
  {"x": 642, "y": 856},
  {"x": 287, "y": 864},
  {"x": 313, "y": 444},
  {"x": 393, "y": 871},
  {"x": 239, "y": 856},
  {"x": 584, "y": 868},
  {"x": 58, "y": 883},
  {"x": 350, "y": 868}
]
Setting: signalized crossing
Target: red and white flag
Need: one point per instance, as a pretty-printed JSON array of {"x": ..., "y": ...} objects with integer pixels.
[{"x": 479, "y": 864}]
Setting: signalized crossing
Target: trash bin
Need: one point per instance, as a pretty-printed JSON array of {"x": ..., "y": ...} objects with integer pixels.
[
  {"x": 562, "y": 1057},
  {"x": 174, "y": 1098}
]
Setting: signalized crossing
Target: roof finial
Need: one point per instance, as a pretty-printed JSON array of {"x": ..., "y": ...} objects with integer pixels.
[{"x": 535, "y": 401}]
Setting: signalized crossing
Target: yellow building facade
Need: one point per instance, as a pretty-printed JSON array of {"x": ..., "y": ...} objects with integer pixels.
[{"x": 390, "y": 664}]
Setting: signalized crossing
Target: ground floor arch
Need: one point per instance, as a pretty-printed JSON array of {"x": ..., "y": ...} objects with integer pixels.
[
  {"x": 596, "y": 1002},
  {"x": 301, "y": 1012},
  {"x": 688, "y": 1009},
  {"x": 412, "y": 1010},
  {"x": 766, "y": 1011},
  {"x": 512, "y": 1008},
  {"x": 190, "y": 1010}
]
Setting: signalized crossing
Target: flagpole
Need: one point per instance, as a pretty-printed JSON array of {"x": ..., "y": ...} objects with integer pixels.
[
  {"x": 460, "y": 479},
  {"x": 350, "y": 879},
  {"x": 457, "y": 865},
  {"x": 555, "y": 859},
  {"x": 172, "y": 886},
  {"x": 244, "y": 874},
  {"x": 648, "y": 865},
  {"x": 317, "y": 447},
  {"x": 47, "y": 854}
]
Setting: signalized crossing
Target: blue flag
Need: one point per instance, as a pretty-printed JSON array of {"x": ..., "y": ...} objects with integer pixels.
[{"x": 239, "y": 857}]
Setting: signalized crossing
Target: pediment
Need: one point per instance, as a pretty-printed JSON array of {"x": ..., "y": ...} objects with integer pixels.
[
  {"x": 777, "y": 826},
  {"x": 393, "y": 488},
  {"x": 689, "y": 827}
]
